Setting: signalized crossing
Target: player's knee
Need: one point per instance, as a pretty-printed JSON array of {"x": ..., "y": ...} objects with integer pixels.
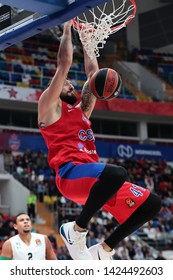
[
  {"x": 122, "y": 173},
  {"x": 114, "y": 174},
  {"x": 152, "y": 206}
]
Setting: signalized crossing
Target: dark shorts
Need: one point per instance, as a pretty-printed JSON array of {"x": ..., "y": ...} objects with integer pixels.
[{"x": 76, "y": 181}]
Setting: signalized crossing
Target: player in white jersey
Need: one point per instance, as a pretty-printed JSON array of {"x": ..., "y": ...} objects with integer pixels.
[{"x": 27, "y": 245}]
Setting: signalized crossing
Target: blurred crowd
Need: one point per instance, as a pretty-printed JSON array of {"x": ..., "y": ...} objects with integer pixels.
[{"x": 148, "y": 242}]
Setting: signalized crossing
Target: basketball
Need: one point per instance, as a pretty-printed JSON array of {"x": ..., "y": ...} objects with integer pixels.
[{"x": 105, "y": 84}]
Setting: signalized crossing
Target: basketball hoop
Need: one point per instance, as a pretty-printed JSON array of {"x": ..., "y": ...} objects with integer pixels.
[{"x": 97, "y": 24}]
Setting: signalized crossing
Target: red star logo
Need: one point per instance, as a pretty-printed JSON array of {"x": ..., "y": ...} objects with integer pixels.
[
  {"x": 12, "y": 93},
  {"x": 35, "y": 96}
]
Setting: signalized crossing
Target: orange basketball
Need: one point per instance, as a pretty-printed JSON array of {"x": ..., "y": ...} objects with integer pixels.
[{"x": 105, "y": 84}]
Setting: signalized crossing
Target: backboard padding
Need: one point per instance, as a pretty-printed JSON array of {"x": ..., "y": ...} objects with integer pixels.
[{"x": 59, "y": 12}]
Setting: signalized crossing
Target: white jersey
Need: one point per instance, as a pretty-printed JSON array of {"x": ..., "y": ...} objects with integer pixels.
[{"x": 36, "y": 250}]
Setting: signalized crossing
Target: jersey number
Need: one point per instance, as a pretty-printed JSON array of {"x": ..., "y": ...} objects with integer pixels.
[
  {"x": 29, "y": 256},
  {"x": 136, "y": 192}
]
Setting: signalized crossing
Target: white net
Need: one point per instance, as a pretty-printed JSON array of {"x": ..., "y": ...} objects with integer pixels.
[{"x": 97, "y": 24}]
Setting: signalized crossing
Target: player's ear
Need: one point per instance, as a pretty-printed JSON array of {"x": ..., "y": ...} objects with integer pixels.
[{"x": 15, "y": 226}]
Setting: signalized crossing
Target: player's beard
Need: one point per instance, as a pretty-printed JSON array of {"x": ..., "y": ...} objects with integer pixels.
[
  {"x": 70, "y": 99},
  {"x": 26, "y": 230}
]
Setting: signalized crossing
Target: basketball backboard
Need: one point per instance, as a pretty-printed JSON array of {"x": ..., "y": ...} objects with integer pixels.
[{"x": 23, "y": 19}]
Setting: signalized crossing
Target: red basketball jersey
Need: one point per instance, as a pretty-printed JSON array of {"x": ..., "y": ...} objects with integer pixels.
[{"x": 70, "y": 139}]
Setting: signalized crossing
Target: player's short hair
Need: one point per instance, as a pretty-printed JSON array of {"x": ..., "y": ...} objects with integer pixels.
[{"x": 19, "y": 214}]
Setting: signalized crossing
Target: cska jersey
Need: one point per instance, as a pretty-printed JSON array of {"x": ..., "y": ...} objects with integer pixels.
[{"x": 70, "y": 139}]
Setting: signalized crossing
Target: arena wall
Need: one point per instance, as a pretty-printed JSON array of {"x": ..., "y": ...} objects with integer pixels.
[{"x": 13, "y": 194}]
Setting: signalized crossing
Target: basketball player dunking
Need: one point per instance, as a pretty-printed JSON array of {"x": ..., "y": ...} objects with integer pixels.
[
  {"x": 27, "y": 245},
  {"x": 67, "y": 132}
]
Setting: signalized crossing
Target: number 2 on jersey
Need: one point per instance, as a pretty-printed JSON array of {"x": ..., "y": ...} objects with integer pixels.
[{"x": 29, "y": 256}]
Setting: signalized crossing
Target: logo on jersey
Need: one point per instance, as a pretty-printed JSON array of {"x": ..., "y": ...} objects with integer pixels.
[
  {"x": 69, "y": 106},
  {"x": 38, "y": 242},
  {"x": 85, "y": 135},
  {"x": 129, "y": 202},
  {"x": 82, "y": 148},
  {"x": 18, "y": 245}
]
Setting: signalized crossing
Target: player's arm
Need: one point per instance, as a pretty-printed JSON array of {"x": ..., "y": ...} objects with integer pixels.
[
  {"x": 88, "y": 99},
  {"x": 50, "y": 98},
  {"x": 6, "y": 253},
  {"x": 50, "y": 254}
]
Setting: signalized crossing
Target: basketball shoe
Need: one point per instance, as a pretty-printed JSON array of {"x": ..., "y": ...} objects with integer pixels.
[
  {"x": 75, "y": 242},
  {"x": 98, "y": 253}
]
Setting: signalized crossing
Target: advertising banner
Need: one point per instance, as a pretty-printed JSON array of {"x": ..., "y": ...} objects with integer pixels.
[{"x": 18, "y": 142}]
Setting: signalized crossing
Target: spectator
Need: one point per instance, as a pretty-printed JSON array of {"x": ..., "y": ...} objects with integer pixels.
[
  {"x": 139, "y": 254},
  {"x": 40, "y": 191},
  {"x": 123, "y": 252},
  {"x": 31, "y": 205},
  {"x": 160, "y": 256}
]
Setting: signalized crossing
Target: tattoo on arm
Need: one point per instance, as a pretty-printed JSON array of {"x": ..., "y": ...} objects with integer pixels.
[{"x": 87, "y": 97}]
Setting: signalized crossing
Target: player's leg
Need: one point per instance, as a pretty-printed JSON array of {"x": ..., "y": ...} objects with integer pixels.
[
  {"x": 110, "y": 180},
  {"x": 92, "y": 185},
  {"x": 147, "y": 211},
  {"x": 143, "y": 212}
]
